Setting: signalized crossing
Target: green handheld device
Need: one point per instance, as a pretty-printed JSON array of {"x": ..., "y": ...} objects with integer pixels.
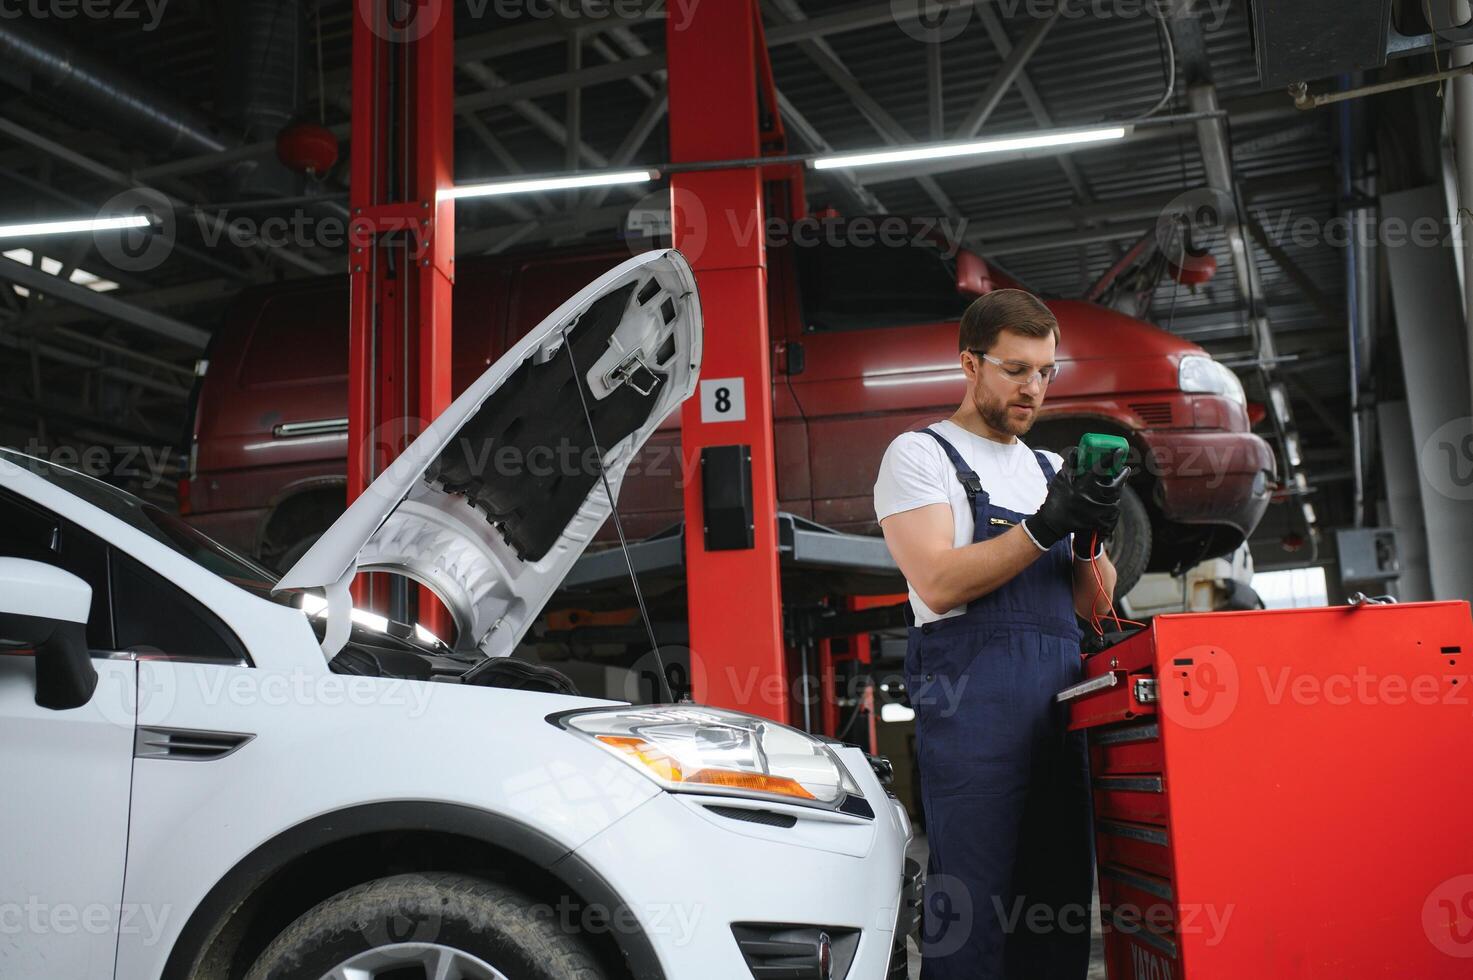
[{"x": 1094, "y": 449}]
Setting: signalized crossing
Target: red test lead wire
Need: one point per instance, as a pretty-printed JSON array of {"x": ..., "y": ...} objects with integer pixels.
[{"x": 1095, "y": 619}]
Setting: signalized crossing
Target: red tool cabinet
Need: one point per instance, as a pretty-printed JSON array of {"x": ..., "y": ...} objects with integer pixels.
[{"x": 1286, "y": 794}]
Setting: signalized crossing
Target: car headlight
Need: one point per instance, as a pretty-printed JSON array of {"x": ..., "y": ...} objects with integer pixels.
[
  {"x": 1200, "y": 373},
  {"x": 695, "y": 749}
]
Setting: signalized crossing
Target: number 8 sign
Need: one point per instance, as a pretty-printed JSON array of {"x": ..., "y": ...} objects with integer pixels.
[{"x": 723, "y": 400}]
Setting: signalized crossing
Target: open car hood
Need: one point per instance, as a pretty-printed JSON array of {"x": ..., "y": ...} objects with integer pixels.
[{"x": 495, "y": 501}]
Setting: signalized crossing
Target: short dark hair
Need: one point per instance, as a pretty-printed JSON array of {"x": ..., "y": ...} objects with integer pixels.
[{"x": 1005, "y": 309}]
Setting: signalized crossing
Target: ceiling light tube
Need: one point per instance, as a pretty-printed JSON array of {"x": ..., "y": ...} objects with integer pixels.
[
  {"x": 1292, "y": 449},
  {"x": 34, "y": 228},
  {"x": 1001, "y": 144},
  {"x": 535, "y": 185}
]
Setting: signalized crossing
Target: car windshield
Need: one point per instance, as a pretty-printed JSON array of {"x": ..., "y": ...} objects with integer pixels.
[{"x": 155, "y": 522}]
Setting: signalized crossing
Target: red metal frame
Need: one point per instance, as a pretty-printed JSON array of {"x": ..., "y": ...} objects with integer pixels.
[
  {"x": 402, "y": 241},
  {"x": 735, "y": 601}
]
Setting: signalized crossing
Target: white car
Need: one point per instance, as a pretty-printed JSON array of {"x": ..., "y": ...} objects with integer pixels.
[{"x": 200, "y": 779}]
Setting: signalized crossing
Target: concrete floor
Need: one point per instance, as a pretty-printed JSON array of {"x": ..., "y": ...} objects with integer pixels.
[{"x": 918, "y": 851}]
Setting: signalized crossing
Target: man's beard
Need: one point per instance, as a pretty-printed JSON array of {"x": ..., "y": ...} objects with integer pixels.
[{"x": 994, "y": 412}]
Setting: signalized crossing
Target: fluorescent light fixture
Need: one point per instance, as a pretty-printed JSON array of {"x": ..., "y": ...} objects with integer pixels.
[
  {"x": 70, "y": 227},
  {"x": 1278, "y": 396},
  {"x": 499, "y": 187},
  {"x": 1292, "y": 450},
  {"x": 1309, "y": 515},
  {"x": 1002, "y": 144}
]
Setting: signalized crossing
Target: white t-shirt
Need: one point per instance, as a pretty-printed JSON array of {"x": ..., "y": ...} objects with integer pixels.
[{"x": 916, "y": 472}]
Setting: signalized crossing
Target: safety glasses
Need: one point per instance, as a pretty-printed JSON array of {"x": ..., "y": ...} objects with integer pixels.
[{"x": 1019, "y": 373}]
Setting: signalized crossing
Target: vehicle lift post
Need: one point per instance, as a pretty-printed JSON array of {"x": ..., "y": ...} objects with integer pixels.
[
  {"x": 401, "y": 249},
  {"x": 714, "y": 59}
]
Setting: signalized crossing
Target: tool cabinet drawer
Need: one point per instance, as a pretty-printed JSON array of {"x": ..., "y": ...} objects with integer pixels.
[
  {"x": 1127, "y": 749},
  {"x": 1138, "y": 898},
  {"x": 1140, "y": 798},
  {"x": 1135, "y": 953},
  {"x": 1109, "y": 699},
  {"x": 1133, "y": 845}
]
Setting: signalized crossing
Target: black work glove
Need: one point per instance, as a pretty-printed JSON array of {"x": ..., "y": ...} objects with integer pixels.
[
  {"x": 1074, "y": 504},
  {"x": 1100, "y": 487}
]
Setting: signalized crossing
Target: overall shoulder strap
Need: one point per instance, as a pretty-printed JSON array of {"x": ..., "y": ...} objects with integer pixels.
[
  {"x": 968, "y": 477},
  {"x": 1045, "y": 465}
]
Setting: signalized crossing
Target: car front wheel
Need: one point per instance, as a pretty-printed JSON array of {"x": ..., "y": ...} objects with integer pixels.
[
  {"x": 437, "y": 926},
  {"x": 1129, "y": 547}
]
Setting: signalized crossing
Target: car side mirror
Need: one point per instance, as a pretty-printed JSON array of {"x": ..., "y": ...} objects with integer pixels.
[
  {"x": 44, "y": 608},
  {"x": 973, "y": 277}
]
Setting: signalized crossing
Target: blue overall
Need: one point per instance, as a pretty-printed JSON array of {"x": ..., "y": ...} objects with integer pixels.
[{"x": 1004, "y": 785}]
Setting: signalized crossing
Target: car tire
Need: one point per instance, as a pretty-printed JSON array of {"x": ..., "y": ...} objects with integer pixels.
[
  {"x": 387, "y": 926},
  {"x": 1129, "y": 547},
  {"x": 290, "y": 556}
]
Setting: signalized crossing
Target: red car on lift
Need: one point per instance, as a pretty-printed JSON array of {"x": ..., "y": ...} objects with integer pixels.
[{"x": 863, "y": 348}]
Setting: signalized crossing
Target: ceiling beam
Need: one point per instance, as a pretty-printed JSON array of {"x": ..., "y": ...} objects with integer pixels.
[
  {"x": 119, "y": 179},
  {"x": 1083, "y": 193},
  {"x": 1290, "y": 268},
  {"x": 165, "y": 297},
  {"x": 530, "y": 111},
  {"x": 654, "y": 111},
  {"x": 41, "y": 282},
  {"x": 821, "y": 53},
  {"x": 846, "y": 180},
  {"x": 1007, "y": 74}
]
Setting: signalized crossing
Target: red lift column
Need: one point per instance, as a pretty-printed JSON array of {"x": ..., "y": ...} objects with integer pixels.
[
  {"x": 734, "y": 595},
  {"x": 402, "y": 243}
]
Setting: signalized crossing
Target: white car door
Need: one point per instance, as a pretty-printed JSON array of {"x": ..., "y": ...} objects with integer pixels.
[{"x": 65, "y": 777}]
